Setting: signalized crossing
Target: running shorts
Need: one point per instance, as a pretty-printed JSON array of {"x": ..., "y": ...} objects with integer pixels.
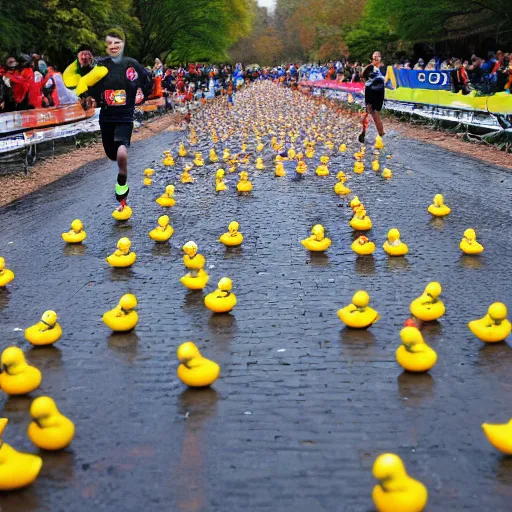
[
  {"x": 114, "y": 135},
  {"x": 374, "y": 98}
]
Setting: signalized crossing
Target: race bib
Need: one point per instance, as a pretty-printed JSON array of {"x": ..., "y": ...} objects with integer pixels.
[{"x": 115, "y": 98}]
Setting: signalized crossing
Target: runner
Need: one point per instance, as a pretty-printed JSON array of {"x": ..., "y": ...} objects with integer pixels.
[
  {"x": 116, "y": 94},
  {"x": 373, "y": 74}
]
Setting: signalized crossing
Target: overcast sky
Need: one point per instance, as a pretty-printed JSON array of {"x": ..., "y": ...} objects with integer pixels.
[{"x": 267, "y": 3}]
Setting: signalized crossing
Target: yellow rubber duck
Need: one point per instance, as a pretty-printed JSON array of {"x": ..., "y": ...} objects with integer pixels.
[
  {"x": 18, "y": 377},
  {"x": 163, "y": 231},
  {"x": 500, "y": 436},
  {"x": 17, "y": 469},
  {"x": 213, "y": 156},
  {"x": 260, "y": 147},
  {"x": 360, "y": 221},
  {"x": 292, "y": 153},
  {"x": 428, "y": 306},
  {"x": 244, "y": 185},
  {"x": 244, "y": 147},
  {"x": 185, "y": 175},
  {"x": 197, "y": 278},
  {"x": 342, "y": 148},
  {"x": 322, "y": 170},
  {"x": 222, "y": 300},
  {"x": 49, "y": 430},
  {"x": 122, "y": 257},
  {"x": 46, "y": 332},
  {"x": 359, "y": 167},
  {"x": 169, "y": 161},
  {"x": 324, "y": 159},
  {"x": 195, "y": 370},
  {"x": 147, "y": 181},
  {"x": 6, "y": 275},
  {"x": 358, "y": 314},
  {"x": 198, "y": 160},
  {"x": 76, "y": 235},
  {"x": 310, "y": 152},
  {"x": 387, "y": 173},
  {"x": 280, "y": 172},
  {"x": 123, "y": 317},
  {"x": 414, "y": 355},
  {"x": 469, "y": 244},
  {"x": 494, "y": 326},
  {"x": 340, "y": 188},
  {"x": 233, "y": 237},
  {"x": 379, "y": 143},
  {"x": 219, "y": 180},
  {"x": 362, "y": 246},
  {"x": 166, "y": 199},
  {"x": 301, "y": 167},
  {"x": 226, "y": 155},
  {"x": 329, "y": 144},
  {"x": 438, "y": 208},
  {"x": 182, "y": 151},
  {"x": 280, "y": 158},
  {"x": 317, "y": 242},
  {"x": 396, "y": 491},
  {"x": 124, "y": 212},
  {"x": 259, "y": 164},
  {"x": 393, "y": 245},
  {"x": 375, "y": 165}
]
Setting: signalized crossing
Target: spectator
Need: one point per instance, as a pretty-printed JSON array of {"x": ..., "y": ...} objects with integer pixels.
[
  {"x": 419, "y": 65},
  {"x": 17, "y": 99},
  {"x": 460, "y": 81}
]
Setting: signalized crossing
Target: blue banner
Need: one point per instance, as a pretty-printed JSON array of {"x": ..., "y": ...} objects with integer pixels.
[{"x": 423, "y": 79}]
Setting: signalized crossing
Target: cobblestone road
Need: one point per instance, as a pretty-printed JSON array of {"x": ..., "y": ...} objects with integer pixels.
[{"x": 303, "y": 406}]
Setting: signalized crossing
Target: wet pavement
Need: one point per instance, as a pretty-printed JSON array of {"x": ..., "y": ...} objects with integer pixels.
[{"x": 303, "y": 406}]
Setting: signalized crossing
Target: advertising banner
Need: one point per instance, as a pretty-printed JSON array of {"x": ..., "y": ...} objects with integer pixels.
[{"x": 421, "y": 79}]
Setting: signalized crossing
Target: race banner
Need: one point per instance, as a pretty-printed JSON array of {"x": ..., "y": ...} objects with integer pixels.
[{"x": 420, "y": 79}]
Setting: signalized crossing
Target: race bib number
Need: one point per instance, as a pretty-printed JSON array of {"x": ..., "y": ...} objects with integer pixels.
[{"x": 115, "y": 98}]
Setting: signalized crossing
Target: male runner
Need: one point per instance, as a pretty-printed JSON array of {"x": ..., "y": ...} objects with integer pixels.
[
  {"x": 116, "y": 94},
  {"x": 373, "y": 74}
]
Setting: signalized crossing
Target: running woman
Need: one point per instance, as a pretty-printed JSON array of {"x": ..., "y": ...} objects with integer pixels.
[
  {"x": 116, "y": 93},
  {"x": 373, "y": 74}
]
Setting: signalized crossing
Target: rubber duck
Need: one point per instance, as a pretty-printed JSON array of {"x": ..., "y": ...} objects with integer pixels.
[
  {"x": 226, "y": 155},
  {"x": 397, "y": 491},
  {"x": 49, "y": 430},
  {"x": 259, "y": 164},
  {"x": 280, "y": 158},
  {"x": 379, "y": 143},
  {"x": 310, "y": 152},
  {"x": 329, "y": 144},
  {"x": 222, "y": 300},
  {"x": 322, "y": 170},
  {"x": 122, "y": 257},
  {"x": 124, "y": 212},
  {"x": 197, "y": 278},
  {"x": 414, "y": 355},
  {"x": 393, "y": 245},
  {"x": 324, "y": 159},
  {"x": 166, "y": 198},
  {"x": 76, "y": 235},
  {"x": 17, "y": 469},
  {"x": 213, "y": 156},
  {"x": 358, "y": 167},
  {"x": 375, "y": 165},
  {"x": 340, "y": 188},
  {"x": 219, "y": 180},
  {"x": 428, "y": 306},
  {"x": 46, "y": 332},
  {"x": 193, "y": 140},
  {"x": 182, "y": 151},
  {"x": 438, "y": 208},
  {"x": 355, "y": 203},
  {"x": 147, "y": 181},
  {"x": 198, "y": 160},
  {"x": 123, "y": 317},
  {"x": 500, "y": 436},
  {"x": 195, "y": 370},
  {"x": 244, "y": 147},
  {"x": 387, "y": 173},
  {"x": 233, "y": 237},
  {"x": 494, "y": 326},
  {"x": 317, "y": 242},
  {"x": 280, "y": 172},
  {"x": 260, "y": 147},
  {"x": 362, "y": 246},
  {"x": 469, "y": 244},
  {"x": 185, "y": 175},
  {"x": 292, "y": 153},
  {"x": 163, "y": 231},
  {"x": 358, "y": 314},
  {"x": 360, "y": 221},
  {"x": 301, "y": 167},
  {"x": 169, "y": 161},
  {"x": 342, "y": 148},
  {"x": 244, "y": 185},
  {"x": 18, "y": 377},
  {"x": 6, "y": 275}
]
